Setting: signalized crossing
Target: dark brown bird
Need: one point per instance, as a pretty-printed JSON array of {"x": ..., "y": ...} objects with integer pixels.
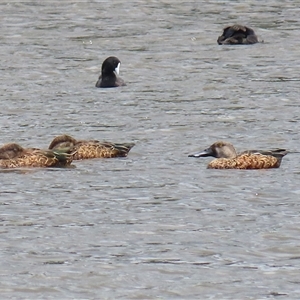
[
  {"x": 227, "y": 158},
  {"x": 90, "y": 149},
  {"x": 109, "y": 74},
  {"x": 14, "y": 156},
  {"x": 237, "y": 34}
]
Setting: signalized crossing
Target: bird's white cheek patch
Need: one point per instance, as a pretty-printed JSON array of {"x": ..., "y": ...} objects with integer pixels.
[{"x": 117, "y": 69}]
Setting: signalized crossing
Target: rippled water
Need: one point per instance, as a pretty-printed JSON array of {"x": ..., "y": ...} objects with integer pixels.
[{"x": 157, "y": 224}]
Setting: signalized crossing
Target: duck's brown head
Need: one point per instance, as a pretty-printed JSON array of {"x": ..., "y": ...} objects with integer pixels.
[
  {"x": 62, "y": 141},
  {"x": 10, "y": 151},
  {"x": 218, "y": 149}
]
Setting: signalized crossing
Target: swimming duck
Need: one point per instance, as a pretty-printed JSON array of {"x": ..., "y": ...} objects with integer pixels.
[
  {"x": 90, "y": 149},
  {"x": 14, "y": 156},
  {"x": 109, "y": 71},
  {"x": 227, "y": 158},
  {"x": 237, "y": 34}
]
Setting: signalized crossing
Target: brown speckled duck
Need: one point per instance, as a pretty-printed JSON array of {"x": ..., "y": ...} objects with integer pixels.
[
  {"x": 237, "y": 34},
  {"x": 90, "y": 149},
  {"x": 227, "y": 158},
  {"x": 14, "y": 156}
]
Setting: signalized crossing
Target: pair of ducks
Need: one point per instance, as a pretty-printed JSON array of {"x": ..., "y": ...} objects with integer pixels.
[
  {"x": 232, "y": 35},
  {"x": 64, "y": 149}
]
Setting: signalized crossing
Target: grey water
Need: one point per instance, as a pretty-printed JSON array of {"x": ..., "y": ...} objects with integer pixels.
[{"x": 157, "y": 224}]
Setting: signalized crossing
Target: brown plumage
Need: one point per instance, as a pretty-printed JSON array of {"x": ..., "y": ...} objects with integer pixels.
[
  {"x": 227, "y": 158},
  {"x": 14, "y": 156},
  {"x": 237, "y": 34},
  {"x": 91, "y": 149}
]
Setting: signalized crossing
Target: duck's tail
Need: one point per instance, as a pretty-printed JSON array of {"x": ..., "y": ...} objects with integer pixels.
[
  {"x": 123, "y": 148},
  {"x": 277, "y": 153}
]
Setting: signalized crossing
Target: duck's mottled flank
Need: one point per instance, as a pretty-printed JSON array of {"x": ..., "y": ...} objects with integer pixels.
[
  {"x": 91, "y": 149},
  {"x": 237, "y": 34},
  {"x": 245, "y": 161},
  {"x": 14, "y": 156}
]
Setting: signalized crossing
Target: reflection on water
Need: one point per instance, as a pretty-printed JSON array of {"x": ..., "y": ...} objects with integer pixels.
[{"x": 156, "y": 224}]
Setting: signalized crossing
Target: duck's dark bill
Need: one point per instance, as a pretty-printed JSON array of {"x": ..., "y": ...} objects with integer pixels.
[{"x": 206, "y": 152}]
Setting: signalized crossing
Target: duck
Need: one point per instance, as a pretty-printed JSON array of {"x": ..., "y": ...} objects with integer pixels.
[
  {"x": 109, "y": 71},
  {"x": 237, "y": 34},
  {"x": 13, "y": 155},
  {"x": 227, "y": 157},
  {"x": 86, "y": 149}
]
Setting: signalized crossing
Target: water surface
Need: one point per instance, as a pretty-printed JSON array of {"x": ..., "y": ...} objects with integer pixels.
[{"x": 157, "y": 224}]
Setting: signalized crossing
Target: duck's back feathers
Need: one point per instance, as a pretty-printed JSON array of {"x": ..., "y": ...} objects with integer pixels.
[
  {"x": 94, "y": 149},
  {"x": 278, "y": 153}
]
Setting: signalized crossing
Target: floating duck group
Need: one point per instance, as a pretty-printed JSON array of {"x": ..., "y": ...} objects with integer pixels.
[
  {"x": 64, "y": 148},
  {"x": 62, "y": 151}
]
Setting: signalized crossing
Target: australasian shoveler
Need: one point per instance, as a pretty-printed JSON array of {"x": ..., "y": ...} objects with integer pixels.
[
  {"x": 91, "y": 148},
  {"x": 227, "y": 158}
]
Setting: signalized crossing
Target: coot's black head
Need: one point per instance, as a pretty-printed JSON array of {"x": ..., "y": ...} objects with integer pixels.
[
  {"x": 110, "y": 70},
  {"x": 110, "y": 65}
]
